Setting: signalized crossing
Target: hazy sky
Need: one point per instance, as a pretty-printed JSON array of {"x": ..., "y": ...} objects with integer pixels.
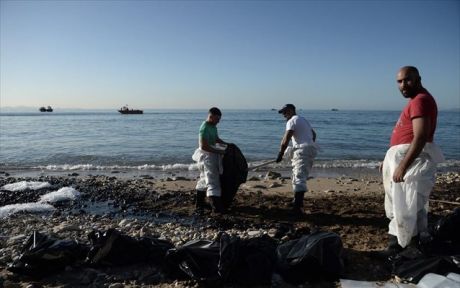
[{"x": 231, "y": 54}]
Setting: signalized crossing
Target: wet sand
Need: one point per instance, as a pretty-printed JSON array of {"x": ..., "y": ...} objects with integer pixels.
[{"x": 352, "y": 207}]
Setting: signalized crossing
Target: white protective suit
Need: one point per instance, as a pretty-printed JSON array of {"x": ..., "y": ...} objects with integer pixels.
[
  {"x": 406, "y": 203},
  {"x": 210, "y": 167},
  {"x": 302, "y": 156}
]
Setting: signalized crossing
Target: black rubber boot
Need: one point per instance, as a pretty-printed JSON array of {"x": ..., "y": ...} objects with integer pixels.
[
  {"x": 216, "y": 203},
  {"x": 393, "y": 249},
  {"x": 200, "y": 201},
  {"x": 298, "y": 203}
]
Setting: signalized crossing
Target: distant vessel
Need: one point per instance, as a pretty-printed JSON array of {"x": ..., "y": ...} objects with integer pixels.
[
  {"x": 47, "y": 109},
  {"x": 126, "y": 110},
  {"x": 334, "y": 109}
]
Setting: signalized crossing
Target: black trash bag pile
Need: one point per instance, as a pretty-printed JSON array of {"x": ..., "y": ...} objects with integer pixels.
[
  {"x": 437, "y": 252},
  {"x": 235, "y": 172},
  {"x": 43, "y": 255},
  {"x": 228, "y": 259},
  {"x": 112, "y": 248},
  {"x": 313, "y": 257},
  {"x": 412, "y": 264}
]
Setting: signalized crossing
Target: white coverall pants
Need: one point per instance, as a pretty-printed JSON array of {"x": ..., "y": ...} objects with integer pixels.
[
  {"x": 406, "y": 203},
  {"x": 210, "y": 167},
  {"x": 302, "y": 157}
]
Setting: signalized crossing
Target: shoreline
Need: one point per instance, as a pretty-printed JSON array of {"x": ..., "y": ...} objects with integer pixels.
[{"x": 189, "y": 174}]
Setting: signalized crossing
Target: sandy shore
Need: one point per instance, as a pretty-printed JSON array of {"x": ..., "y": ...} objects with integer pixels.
[{"x": 352, "y": 207}]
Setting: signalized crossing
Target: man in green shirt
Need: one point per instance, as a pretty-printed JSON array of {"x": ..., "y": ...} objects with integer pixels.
[{"x": 209, "y": 158}]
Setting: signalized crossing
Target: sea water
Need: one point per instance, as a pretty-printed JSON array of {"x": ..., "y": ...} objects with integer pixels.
[{"x": 161, "y": 141}]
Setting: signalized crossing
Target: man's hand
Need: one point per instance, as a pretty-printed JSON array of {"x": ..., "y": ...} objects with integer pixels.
[
  {"x": 279, "y": 158},
  {"x": 398, "y": 175}
]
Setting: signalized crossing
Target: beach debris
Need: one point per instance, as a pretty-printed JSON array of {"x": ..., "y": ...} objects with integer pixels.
[
  {"x": 316, "y": 256},
  {"x": 43, "y": 255},
  {"x": 272, "y": 175},
  {"x": 235, "y": 173},
  {"x": 447, "y": 228},
  {"x": 64, "y": 227},
  {"x": 275, "y": 185},
  {"x": 160, "y": 221},
  {"x": 346, "y": 283},
  {"x": 111, "y": 248},
  {"x": 146, "y": 176},
  {"x": 435, "y": 252},
  {"x": 228, "y": 259}
]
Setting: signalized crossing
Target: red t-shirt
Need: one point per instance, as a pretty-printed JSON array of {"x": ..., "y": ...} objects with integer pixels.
[{"x": 422, "y": 105}]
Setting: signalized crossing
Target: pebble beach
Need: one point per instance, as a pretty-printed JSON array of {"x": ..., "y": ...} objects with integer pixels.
[{"x": 164, "y": 208}]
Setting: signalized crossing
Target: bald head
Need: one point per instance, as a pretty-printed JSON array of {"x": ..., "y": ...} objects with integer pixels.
[
  {"x": 409, "y": 81},
  {"x": 411, "y": 70}
]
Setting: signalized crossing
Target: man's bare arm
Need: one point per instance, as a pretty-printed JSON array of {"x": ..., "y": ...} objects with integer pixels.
[{"x": 421, "y": 127}]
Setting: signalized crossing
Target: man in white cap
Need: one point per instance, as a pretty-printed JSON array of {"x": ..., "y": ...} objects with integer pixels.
[{"x": 304, "y": 151}]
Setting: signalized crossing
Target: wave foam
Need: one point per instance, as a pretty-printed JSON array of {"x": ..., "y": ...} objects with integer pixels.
[
  {"x": 24, "y": 185},
  {"x": 63, "y": 194},
  {"x": 88, "y": 167},
  {"x": 364, "y": 163},
  {"x": 9, "y": 210}
]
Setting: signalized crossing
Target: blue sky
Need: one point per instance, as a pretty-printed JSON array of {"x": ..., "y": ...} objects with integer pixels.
[{"x": 231, "y": 54}]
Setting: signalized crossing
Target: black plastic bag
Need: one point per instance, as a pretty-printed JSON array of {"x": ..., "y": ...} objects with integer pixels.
[
  {"x": 443, "y": 237},
  {"x": 196, "y": 259},
  {"x": 249, "y": 261},
  {"x": 113, "y": 248},
  {"x": 448, "y": 228},
  {"x": 43, "y": 255},
  {"x": 412, "y": 264},
  {"x": 235, "y": 173},
  {"x": 316, "y": 256},
  {"x": 226, "y": 260}
]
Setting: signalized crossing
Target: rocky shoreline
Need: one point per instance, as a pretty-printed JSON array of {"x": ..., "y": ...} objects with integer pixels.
[{"x": 352, "y": 208}]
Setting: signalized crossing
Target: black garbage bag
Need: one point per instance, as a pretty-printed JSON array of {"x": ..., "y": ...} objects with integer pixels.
[
  {"x": 235, "y": 172},
  {"x": 196, "y": 259},
  {"x": 448, "y": 228},
  {"x": 412, "y": 264},
  {"x": 112, "y": 248},
  {"x": 316, "y": 256},
  {"x": 443, "y": 237},
  {"x": 43, "y": 255},
  {"x": 248, "y": 262},
  {"x": 226, "y": 260}
]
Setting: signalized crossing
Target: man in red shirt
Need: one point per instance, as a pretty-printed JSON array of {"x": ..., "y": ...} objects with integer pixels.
[{"x": 410, "y": 163}]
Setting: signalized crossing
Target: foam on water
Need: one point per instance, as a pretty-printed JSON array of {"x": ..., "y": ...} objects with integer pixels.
[
  {"x": 90, "y": 167},
  {"x": 24, "y": 185},
  {"x": 63, "y": 194},
  {"x": 363, "y": 163},
  {"x": 9, "y": 210}
]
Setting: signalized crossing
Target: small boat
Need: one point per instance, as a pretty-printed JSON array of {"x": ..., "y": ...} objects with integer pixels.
[
  {"x": 47, "y": 109},
  {"x": 334, "y": 109},
  {"x": 126, "y": 110}
]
